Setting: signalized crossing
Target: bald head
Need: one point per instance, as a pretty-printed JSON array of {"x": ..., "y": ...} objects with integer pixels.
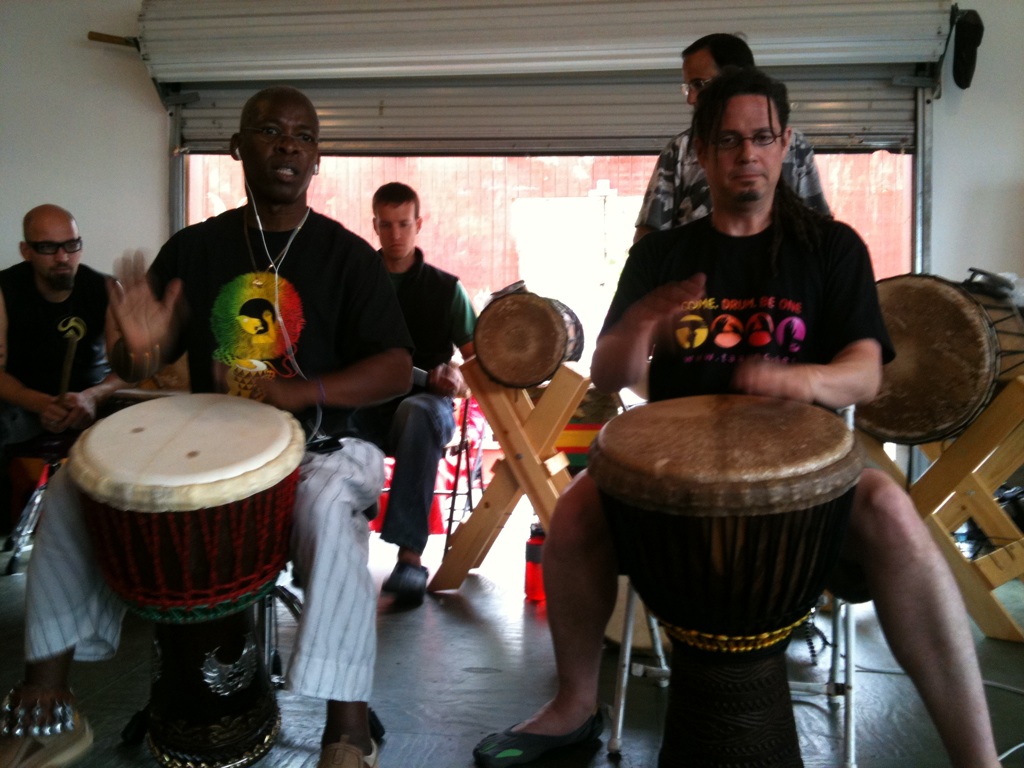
[
  {"x": 53, "y": 246},
  {"x": 43, "y": 217},
  {"x": 282, "y": 94}
]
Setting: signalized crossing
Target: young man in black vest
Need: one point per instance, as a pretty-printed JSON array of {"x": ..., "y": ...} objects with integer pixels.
[{"x": 415, "y": 428}]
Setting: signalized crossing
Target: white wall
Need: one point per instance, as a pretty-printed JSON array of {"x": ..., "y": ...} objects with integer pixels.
[
  {"x": 80, "y": 126},
  {"x": 978, "y": 172}
]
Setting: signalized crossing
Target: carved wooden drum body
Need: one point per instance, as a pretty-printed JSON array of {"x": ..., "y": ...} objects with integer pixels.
[
  {"x": 188, "y": 500},
  {"x": 728, "y": 513}
]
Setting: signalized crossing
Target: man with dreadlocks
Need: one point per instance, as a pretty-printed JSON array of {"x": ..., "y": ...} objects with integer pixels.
[{"x": 760, "y": 257}]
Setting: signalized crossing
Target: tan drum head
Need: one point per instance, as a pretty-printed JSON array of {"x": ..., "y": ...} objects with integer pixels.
[
  {"x": 946, "y": 365},
  {"x": 186, "y": 452},
  {"x": 725, "y": 455},
  {"x": 521, "y": 339}
]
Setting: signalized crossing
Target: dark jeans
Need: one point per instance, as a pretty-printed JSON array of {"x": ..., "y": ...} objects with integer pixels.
[{"x": 414, "y": 431}]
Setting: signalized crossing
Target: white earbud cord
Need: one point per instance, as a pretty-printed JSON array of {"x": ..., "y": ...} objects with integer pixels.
[{"x": 274, "y": 267}]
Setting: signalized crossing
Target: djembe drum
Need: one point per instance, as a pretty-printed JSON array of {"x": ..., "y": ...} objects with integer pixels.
[
  {"x": 521, "y": 338},
  {"x": 727, "y": 513},
  {"x": 956, "y": 346},
  {"x": 188, "y": 501}
]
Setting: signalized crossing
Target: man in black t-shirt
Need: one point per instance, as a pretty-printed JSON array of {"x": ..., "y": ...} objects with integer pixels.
[
  {"x": 275, "y": 302},
  {"x": 691, "y": 315},
  {"x": 53, "y": 364}
]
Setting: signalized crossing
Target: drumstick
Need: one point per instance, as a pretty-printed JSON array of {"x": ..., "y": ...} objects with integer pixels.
[{"x": 74, "y": 329}]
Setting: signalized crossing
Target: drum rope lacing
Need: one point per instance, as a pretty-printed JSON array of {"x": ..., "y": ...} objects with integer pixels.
[
  {"x": 174, "y": 592},
  {"x": 706, "y": 641}
]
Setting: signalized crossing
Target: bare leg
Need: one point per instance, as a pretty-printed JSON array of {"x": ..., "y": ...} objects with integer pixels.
[
  {"x": 348, "y": 721},
  {"x": 50, "y": 673},
  {"x": 923, "y": 616},
  {"x": 581, "y": 584}
]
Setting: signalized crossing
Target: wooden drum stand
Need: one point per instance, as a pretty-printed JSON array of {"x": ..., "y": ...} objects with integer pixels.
[
  {"x": 959, "y": 486},
  {"x": 526, "y": 432}
]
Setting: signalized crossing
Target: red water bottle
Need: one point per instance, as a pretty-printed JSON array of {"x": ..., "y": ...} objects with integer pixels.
[{"x": 534, "y": 568}]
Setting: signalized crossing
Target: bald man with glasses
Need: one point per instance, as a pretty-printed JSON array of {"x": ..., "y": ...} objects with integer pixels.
[{"x": 53, "y": 364}]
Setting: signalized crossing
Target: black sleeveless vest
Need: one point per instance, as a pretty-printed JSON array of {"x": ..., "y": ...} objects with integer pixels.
[{"x": 37, "y": 330}]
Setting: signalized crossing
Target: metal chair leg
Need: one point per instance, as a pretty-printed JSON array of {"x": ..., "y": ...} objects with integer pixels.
[
  {"x": 26, "y": 527},
  {"x": 626, "y": 668},
  {"x": 622, "y": 674},
  {"x": 840, "y": 683},
  {"x": 266, "y": 618}
]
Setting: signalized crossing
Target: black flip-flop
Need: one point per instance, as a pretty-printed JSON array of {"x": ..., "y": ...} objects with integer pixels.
[{"x": 510, "y": 748}]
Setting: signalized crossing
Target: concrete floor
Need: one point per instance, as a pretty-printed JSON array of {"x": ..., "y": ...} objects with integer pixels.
[{"x": 478, "y": 660}]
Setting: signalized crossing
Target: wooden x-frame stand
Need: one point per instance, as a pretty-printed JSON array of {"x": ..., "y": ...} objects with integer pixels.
[
  {"x": 526, "y": 434},
  {"x": 959, "y": 485}
]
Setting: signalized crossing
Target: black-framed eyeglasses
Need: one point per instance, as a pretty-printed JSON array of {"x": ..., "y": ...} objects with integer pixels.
[
  {"x": 271, "y": 134},
  {"x": 49, "y": 247},
  {"x": 696, "y": 85},
  {"x": 729, "y": 140}
]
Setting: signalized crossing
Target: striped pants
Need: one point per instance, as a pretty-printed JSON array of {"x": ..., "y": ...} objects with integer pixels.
[{"x": 69, "y": 605}]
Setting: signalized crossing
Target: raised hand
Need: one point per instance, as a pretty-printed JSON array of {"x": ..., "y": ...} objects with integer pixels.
[{"x": 146, "y": 327}]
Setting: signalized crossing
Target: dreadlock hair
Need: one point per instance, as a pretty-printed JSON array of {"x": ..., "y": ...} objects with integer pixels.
[{"x": 790, "y": 217}]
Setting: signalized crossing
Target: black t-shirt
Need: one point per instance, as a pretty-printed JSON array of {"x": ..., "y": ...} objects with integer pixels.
[
  {"x": 331, "y": 291},
  {"x": 37, "y": 330},
  {"x": 804, "y": 310}
]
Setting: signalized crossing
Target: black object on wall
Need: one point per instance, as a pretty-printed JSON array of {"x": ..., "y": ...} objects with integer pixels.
[{"x": 969, "y": 31}]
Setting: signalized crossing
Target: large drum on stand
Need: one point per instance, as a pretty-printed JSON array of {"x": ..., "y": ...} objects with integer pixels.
[
  {"x": 188, "y": 500},
  {"x": 728, "y": 513},
  {"x": 956, "y": 345},
  {"x": 521, "y": 338}
]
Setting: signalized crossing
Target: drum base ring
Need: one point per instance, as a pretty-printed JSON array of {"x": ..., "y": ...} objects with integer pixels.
[{"x": 260, "y": 745}]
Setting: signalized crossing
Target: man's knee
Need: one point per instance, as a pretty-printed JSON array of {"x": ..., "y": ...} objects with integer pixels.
[
  {"x": 422, "y": 415},
  {"x": 578, "y": 524},
  {"x": 884, "y": 514}
]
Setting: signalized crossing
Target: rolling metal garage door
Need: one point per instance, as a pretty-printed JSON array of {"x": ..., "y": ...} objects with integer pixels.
[{"x": 525, "y": 76}]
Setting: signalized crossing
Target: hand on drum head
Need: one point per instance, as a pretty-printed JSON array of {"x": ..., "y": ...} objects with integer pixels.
[
  {"x": 769, "y": 378},
  {"x": 852, "y": 376}
]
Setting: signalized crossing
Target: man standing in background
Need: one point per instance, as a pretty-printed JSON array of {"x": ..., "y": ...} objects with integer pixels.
[{"x": 678, "y": 191}]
